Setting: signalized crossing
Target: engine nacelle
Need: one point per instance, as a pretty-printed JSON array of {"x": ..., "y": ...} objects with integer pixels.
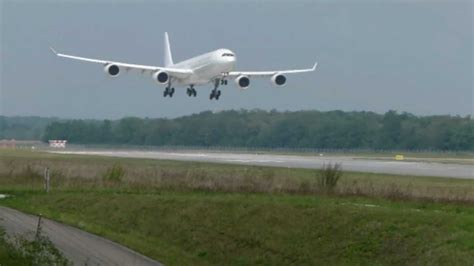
[
  {"x": 112, "y": 70},
  {"x": 279, "y": 80},
  {"x": 243, "y": 82},
  {"x": 161, "y": 77}
]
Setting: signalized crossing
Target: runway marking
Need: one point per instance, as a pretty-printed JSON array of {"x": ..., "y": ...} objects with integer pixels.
[
  {"x": 253, "y": 161},
  {"x": 189, "y": 154}
]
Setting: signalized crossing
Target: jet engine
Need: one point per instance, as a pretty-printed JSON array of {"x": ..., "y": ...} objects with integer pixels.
[
  {"x": 161, "y": 77},
  {"x": 279, "y": 80},
  {"x": 243, "y": 82},
  {"x": 112, "y": 70}
]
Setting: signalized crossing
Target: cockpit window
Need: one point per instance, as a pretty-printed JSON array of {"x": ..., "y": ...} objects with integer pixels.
[{"x": 227, "y": 54}]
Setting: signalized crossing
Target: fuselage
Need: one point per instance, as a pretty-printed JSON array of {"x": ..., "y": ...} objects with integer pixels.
[{"x": 206, "y": 67}]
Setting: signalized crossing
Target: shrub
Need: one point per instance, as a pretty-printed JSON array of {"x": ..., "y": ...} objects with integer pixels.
[
  {"x": 31, "y": 172},
  {"x": 23, "y": 251},
  {"x": 328, "y": 176},
  {"x": 114, "y": 173}
]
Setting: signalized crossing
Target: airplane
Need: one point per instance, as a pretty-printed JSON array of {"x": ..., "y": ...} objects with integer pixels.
[{"x": 214, "y": 67}]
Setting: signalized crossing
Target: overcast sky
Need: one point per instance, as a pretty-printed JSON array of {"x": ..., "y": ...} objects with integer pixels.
[{"x": 412, "y": 56}]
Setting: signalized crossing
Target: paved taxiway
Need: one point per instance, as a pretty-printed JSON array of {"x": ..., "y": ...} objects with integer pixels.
[
  {"x": 298, "y": 161},
  {"x": 80, "y": 247}
]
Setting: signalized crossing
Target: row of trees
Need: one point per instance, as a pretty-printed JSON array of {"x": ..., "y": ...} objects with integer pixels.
[
  {"x": 23, "y": 128},
  {"x": 302, "y": 129}
]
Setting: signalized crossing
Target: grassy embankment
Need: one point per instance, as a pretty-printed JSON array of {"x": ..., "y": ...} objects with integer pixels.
[{"x": 184, "y": 213}]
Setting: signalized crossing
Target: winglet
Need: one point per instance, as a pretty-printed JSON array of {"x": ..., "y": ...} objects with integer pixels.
[
  {"x": 54, "y": 51},
  {"x": 315, "y": 65}
]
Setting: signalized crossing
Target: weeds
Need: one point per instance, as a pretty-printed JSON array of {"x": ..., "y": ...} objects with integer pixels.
[{"x": 145, "y": 175}]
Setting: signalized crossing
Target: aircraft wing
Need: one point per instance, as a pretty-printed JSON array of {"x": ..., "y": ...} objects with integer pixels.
[
  {"x": 175, "y": 72},
  {"x": 270, "y": 73}
]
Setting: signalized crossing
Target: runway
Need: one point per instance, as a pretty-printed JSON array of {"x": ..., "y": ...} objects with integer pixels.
[
  {"x": 299, "y": 161},
  {"x": 78, "y": 246}
]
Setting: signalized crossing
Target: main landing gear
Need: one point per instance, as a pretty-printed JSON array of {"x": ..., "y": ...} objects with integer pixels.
[
  {"x": 215, "y": 93},
  {"x": 191, "y": 91},
  {"x": 168, "y": 91}
]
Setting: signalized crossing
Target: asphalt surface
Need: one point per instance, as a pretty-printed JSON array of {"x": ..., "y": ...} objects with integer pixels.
[
  {"x": 294, "y": 161},
  {"x": 80, "y": 247}
]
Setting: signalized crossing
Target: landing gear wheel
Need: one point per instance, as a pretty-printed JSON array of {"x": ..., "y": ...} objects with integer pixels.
[
  {"x": 215, "y": 93},
  {"x": 168, "y": 91},
  {"x": 194, "y": 92}
]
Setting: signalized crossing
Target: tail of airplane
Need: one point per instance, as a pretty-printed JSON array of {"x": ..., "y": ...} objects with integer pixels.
[{"x": 167, "y": 53}]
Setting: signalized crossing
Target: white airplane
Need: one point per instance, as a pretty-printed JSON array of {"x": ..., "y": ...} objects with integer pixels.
[{"x": 215, "y": 67}]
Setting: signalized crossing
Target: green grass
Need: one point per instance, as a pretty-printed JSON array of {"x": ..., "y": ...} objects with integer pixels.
[
  {"x": 189, "y": 228},
  {"x": 184, "y": 213}
]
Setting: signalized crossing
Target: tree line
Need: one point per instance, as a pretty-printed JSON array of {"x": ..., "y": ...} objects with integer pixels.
[
  {"x": 23, "y": 128},
  {"x": 273, "y": 129}
]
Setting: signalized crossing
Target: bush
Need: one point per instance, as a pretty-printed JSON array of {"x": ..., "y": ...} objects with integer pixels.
[
  {"x": 21, "y": 251},
  {"x": 328, "y": 176},
  {"x": 114, "y": 173}
]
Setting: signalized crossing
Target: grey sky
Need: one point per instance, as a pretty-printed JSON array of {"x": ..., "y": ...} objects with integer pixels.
[{"x": 373, "y": 55}]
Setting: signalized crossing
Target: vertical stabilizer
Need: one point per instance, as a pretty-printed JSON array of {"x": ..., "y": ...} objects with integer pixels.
[{"x": 168, "y": 56}]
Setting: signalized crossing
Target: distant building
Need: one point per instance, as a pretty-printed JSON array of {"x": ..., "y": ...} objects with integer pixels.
[
  {"x": 61, "y": 144},
  {"x": 7, "y": 144}
]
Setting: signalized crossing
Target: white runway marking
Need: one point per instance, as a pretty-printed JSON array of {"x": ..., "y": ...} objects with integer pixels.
[{"x": 252, "y": 161}]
